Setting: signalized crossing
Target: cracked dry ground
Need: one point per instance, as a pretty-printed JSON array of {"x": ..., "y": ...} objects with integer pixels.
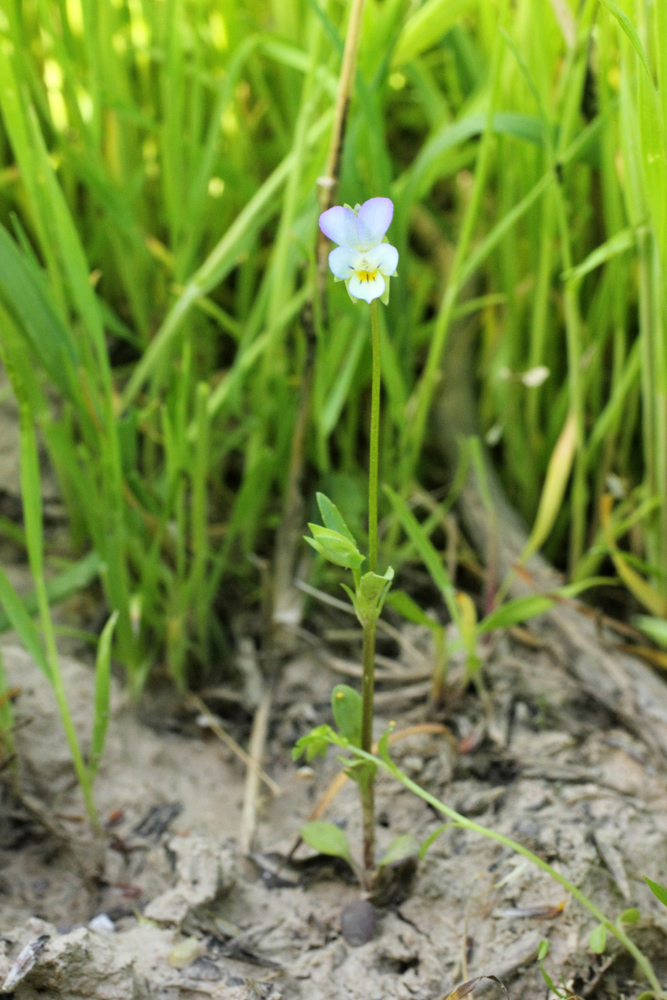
[{"x": 189, "y": 918}]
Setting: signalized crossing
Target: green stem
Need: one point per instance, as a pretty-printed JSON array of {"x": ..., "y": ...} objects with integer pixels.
[
  {"x": 373, "y": 464},
  {"x": 368, "y": 684},
  {"x": 467, "y": 824},
  {"x": 367, "y": 787}
]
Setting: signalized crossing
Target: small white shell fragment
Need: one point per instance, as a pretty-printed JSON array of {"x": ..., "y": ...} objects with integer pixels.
[{"x": 101, "y": 924}]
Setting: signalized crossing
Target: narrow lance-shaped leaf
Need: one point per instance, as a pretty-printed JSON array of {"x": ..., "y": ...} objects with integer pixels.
[
  {"x": 558, "y": 473},
  {"x": 650, "y": 598},
  {"x": 102, "y": 694}
]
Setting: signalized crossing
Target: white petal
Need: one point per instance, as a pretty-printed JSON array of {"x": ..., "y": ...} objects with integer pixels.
[
  {"x": 373, "y": 221},
  {"x": 343, "y": 261},
  {"x": 340, "y": 225},
  {"x": 367, "y": 290},
  {"x": 383, "y": 257}
]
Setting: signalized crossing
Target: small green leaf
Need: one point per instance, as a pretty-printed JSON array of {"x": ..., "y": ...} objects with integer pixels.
[
  {"x": 542, "y": 953},
  {"x": 630, "y": 916},
  {"x": 372, "y": 585},
  {"x": 316, "y": 742},
  {"x": 513, "y": 612},
  {"x": 350, "y": 593},
  {"x": 654, "y": 628},
  {"x": 431, "y": 839},
  {"x": 383, "y": 746},
  {"x": 335, "y": 547},
  {"x": 333, "y": 518},
  {"x": 371, "y": 592},
  {"x": 102, "y": 692},
  {"x": 346, "y": 704},
  {"x": 326, "y": 838},
  {"x": 404, "y": 604},
  {"x": 658, "y": 890},
  {"x": 405, "y": 846},
  {"x": 598, "y": 939}
]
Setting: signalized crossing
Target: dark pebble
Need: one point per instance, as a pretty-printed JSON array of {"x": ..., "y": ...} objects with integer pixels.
[
  {"x": 357, "y": 922},
  {"x": 203, "y": 970}
]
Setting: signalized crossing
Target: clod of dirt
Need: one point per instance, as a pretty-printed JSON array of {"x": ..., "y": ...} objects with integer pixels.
[
  {"x": 132, "y": 965},
  {"x": 357, "y": 922},
  {"x": 205, "y": 872}
]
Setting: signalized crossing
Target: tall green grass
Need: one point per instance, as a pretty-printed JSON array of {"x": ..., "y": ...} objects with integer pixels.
[{"x": 158, "y": 193}]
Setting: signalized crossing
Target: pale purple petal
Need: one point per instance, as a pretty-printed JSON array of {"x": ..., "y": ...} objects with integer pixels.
[
  {"x": 340, "y": 225},
  {"x": 367, "y": 290},
  {"x": 383, "y": 257},
  {"x": 343, "y": 261},
  {"x": 373, "y": 221}
]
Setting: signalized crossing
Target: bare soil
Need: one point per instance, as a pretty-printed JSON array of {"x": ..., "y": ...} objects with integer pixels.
[{"x": 187, "y": 917}]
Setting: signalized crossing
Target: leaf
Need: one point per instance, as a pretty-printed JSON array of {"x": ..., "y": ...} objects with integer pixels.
[
  {"x": 628, "y": 27},
  {"x": 405, "y": 846},
  {"x": 102, "y": 694},
  {"x": 630, "y": 916},
  {"x": 327, "y": 838},
  {"x": 558, "y": 473},
  {"x": 404, "y": 604},
  {"x": 658, "y": 890},
  {"x": 77, "y": 576},
  {"x": 426, "y": 550},
  {"x": 26, "y": 295},
  {"x": 654, "y": 628},
  {"x": 347, "y": 707},
  {"x": 427, "y": 26},
  {"x": 333, "y": 518},
  {"x": 649, "y": 597},
  {"x": 431, "y": 839},
  {"x": 23, "y": 623},
  {"x": 371, "y": 588},
  {"x": 468, "y": 621},
  {"x": 468, "y": 629},
  {"x": 316, "y": 743},
  {"x": 518, "y": 610},
  {"x": 598, "y": 939},
  {"x": 335, "y": 547},
  {"x": 618, "y": 243},
  {"x": 542, "y": 953}
]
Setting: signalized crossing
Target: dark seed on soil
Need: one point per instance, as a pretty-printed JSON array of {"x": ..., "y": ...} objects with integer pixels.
[{"x": 357, "y": 922}]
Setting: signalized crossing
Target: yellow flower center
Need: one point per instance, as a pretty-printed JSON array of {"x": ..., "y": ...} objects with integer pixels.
[{"x": 367, "y": 275}]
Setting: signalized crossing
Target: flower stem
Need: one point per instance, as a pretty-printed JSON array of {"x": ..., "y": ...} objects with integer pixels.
[
  {"x": 367, "y": 786},
  {"x": 374, "y": 442}
]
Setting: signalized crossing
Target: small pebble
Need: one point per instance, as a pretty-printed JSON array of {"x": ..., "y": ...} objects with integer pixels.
[
  {"x": 357, "y": 922},
  {"x": 204, "y": 970},
  {"x": 102, "y": 924}
]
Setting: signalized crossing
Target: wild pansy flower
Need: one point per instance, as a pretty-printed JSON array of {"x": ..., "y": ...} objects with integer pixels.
[{"x": 362, "y": 260}]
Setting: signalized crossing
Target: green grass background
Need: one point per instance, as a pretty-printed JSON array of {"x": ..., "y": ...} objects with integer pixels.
[{"x": 158, "y": 196}]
